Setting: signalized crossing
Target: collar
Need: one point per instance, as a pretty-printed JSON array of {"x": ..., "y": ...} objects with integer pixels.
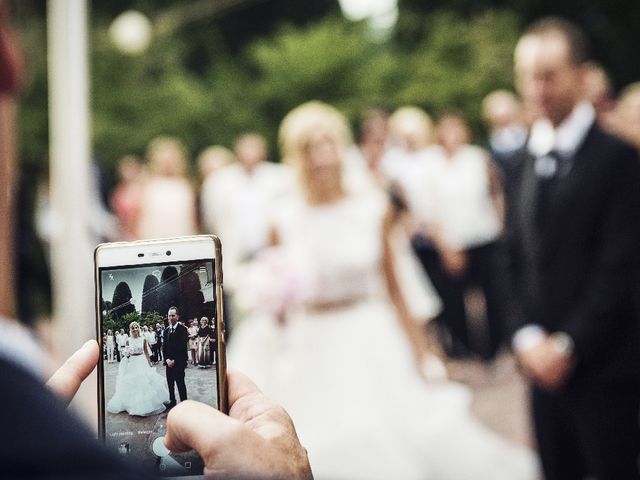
[{"x": 567, "y": 137}]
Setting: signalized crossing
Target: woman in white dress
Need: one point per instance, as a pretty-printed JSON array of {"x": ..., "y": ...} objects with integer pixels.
[
  {"x": 340, "y": 350},
  {"x": 111, "y": 343},
  {"x": 140, "y": 390},
  {"x": 167, "y": 197},
  {"x": 193, "y": 340}
]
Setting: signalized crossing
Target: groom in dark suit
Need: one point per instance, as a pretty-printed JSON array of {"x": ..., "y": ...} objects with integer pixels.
[
  {"x": 570, "y": 267},
  {"x": 174, "y": 351}
]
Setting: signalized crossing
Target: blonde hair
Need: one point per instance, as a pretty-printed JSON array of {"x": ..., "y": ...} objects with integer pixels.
[
  {"x": 157, "y": 160},
  {"x": 412, "y": 126},
  {"x": 133, "y": 324},
  {"x": 305, "y": 121}
]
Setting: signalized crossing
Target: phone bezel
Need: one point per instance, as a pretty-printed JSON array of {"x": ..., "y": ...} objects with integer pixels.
[{"x": 183, "y": 249}]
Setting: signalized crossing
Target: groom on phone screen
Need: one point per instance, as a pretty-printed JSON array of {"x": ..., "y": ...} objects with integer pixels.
[{"x": 174, "y": 351}]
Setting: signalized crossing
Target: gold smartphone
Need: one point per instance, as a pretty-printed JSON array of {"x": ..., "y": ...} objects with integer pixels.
[{"x": 160, "y": 324}]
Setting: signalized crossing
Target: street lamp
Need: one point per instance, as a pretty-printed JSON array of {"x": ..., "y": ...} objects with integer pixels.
[
  {"x": 381, "y": 14},
  {"x": 131, "y": 32}
]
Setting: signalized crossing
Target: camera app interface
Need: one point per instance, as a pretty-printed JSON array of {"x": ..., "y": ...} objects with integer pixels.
[{"x": 159, "y": 348}]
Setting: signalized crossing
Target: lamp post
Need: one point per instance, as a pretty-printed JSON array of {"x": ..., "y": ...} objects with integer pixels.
[{"x": 71, "y": 249}]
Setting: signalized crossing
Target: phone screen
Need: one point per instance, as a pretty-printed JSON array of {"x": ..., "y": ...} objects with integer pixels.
[{"x": 158, "y": 331}]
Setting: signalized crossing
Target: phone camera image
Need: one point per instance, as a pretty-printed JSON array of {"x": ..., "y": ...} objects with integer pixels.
[
  {"x": 168, "y": 253},
  {"x": 158, "y": 325}
]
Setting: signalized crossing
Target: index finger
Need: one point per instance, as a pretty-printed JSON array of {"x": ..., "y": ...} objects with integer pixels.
[
  {"x": 239, "y": 385},
  {"x": 66, "y": 381}
]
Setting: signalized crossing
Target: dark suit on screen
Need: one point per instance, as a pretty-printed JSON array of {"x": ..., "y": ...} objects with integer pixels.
[{"x": 175, "y": 348}]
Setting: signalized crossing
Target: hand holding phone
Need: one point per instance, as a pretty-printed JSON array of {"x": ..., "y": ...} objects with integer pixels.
[{"x": 151, "y": 293}]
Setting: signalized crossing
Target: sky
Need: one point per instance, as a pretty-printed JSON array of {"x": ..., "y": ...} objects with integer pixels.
[{"x": 135, "y": 276}]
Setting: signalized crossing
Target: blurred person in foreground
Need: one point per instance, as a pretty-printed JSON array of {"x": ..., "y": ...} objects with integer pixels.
[
  {"x": 167, "y": 200},
  {"x": 332, "y": 338},
  {"x": 462, "y": 204},
  {"x": 40, "y": 439},
  {"x": 508, "y": 131},
  {"x": 569, "y": 266},
  {"x": 237, "y": 201},
  {"x": 627, "y": 115}
]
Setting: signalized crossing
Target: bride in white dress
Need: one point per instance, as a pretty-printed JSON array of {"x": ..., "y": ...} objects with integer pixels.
[
  {"x": 140, "y": 390},
  {"x": 339, "y": 348}
]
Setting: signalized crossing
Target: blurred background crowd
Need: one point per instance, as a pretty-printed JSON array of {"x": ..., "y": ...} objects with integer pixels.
[{"x": 201, "y": 111}]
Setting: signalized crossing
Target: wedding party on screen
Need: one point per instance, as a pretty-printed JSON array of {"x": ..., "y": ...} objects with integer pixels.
[{"x": 159, "y": 348}]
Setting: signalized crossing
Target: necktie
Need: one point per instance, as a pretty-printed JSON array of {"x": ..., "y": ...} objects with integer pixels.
[{"x": 546, "y": 168}]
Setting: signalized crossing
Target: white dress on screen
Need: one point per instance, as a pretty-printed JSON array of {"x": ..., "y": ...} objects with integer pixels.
[
  {"x": 346, "y": 373},
  {"x": 140, "y": 389}
]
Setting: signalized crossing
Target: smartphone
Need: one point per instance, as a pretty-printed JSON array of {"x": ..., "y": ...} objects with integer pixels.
[{"x": 159, "y": 310}]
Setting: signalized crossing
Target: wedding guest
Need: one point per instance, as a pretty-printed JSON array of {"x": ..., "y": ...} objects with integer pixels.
[
  {"x": 508, "y": 132},
  {"x": 168, "y": 202},
  {"x": 193, "y": 340},
  {"x": 110, "y": 342},
  {"x": 209, "y": 161},
  {"x": 570, "y": 265},
  {"x": 121, "y": 340},
  {"x": 363, "y": 164},
  {"x": 598, "y": 91},
  {"x": 159, "y": 340},
  {"x": 627, "y": 115},
  {"x": 125, "y": 199},
  {"x": 410, "y": 144},
  {"x": 461, "y": 203},
  {"x": 212, "y": 159},
  {"x": 150, "y": 335},
  {"x": 205, "y": 343},
  {"x": 237, "y": 203}
]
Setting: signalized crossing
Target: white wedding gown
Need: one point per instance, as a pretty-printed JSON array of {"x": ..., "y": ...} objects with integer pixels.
[
  {"x": 140, "y": 390},
  {"x": 347, "y": 375}
]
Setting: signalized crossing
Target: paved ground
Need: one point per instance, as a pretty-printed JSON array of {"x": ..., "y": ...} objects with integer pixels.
[
  {"x": 500, "y": 398},
  {"x": 500, "y": 391},
  {"x": 139, "y": 433}
]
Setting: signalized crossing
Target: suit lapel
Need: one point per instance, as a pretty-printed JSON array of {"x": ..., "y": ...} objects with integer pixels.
[
  {"x": 563, "y": 196},
  {"x": 527, "y": 206}
]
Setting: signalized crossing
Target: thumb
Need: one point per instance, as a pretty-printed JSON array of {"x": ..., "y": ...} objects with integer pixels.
[
  {"x": 189, "y": 426},
  {"x": 66, "y": 381}
]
